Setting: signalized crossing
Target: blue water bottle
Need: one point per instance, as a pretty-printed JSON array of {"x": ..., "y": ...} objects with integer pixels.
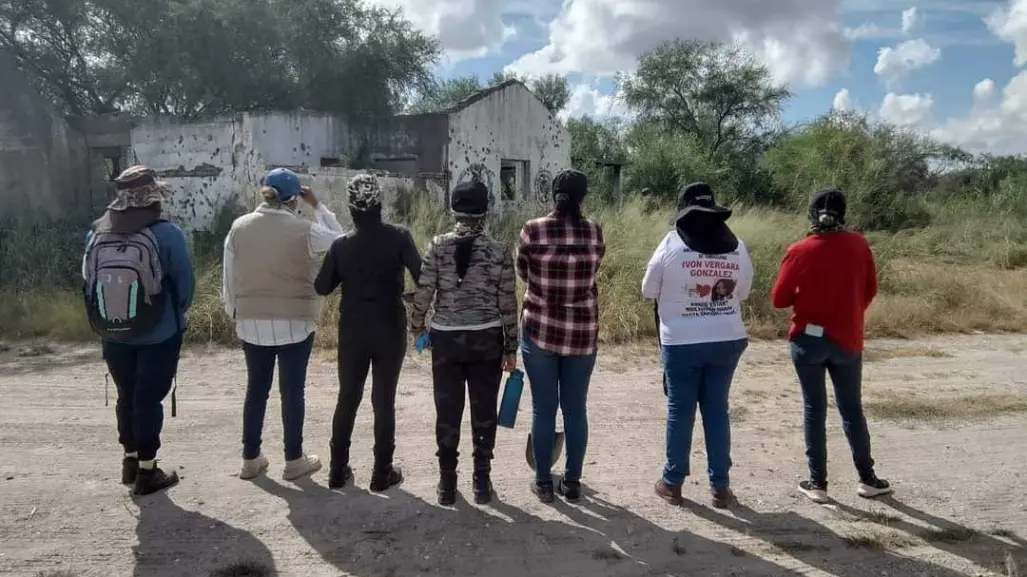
[{"x": 511, "y": 399}]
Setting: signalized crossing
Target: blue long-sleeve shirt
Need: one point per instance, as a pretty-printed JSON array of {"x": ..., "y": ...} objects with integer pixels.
[{"x": 179, "y": 282}]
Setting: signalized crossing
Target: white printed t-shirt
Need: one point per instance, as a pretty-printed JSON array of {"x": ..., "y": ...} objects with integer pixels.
[{"x": 700, "y": 296}]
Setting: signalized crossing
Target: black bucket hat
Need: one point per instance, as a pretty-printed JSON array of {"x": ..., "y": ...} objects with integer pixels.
[
  {"x": 470, "y": 199},
  {"x": 698, "y": 197}
]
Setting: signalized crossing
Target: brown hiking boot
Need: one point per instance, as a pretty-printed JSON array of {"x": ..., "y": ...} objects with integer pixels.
[
  {"x": 669, "y": 493},
  {"x": 722, "y": 498}
]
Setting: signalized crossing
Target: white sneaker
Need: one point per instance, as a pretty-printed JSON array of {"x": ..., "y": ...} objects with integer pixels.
[
  {"x": 253, "y": 468},
  {"x": 873, "y": 487},
  {"x": 305, "y": 465},
  {"x": 816, "y": 492}
]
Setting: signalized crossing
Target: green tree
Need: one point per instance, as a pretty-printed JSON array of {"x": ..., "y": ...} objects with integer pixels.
[
  {"x": 445, "y": 94},
  {"x": 594, "y": 145},
  {"x": 553, "y": 90},
  {"x": 720, "y": 95},
  {"x": 884, "y": 170},
  {"x": 201, "y": 57}
]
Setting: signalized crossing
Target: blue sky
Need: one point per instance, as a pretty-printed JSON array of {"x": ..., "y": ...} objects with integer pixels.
[{"x": 970, "y": 50}]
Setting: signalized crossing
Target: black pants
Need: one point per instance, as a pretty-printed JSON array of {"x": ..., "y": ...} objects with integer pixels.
[
  {"x": 143, "y": 375},
  {"x": 381, "y": 352},
  {"x": 473, "y": 359}
]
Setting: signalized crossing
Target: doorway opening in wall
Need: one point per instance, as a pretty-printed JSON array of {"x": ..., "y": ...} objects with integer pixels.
[
  {"x": 513, "y": 179},
  {"x": 112, "y": 164}
]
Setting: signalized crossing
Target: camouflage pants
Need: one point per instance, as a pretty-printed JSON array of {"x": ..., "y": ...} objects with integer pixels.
[{"x": 472, "y": 359}]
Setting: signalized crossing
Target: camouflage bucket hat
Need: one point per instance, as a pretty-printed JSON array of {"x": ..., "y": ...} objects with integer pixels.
[
  {"x": 138, "y": 187},
  {"x": 364, "y": 192}
]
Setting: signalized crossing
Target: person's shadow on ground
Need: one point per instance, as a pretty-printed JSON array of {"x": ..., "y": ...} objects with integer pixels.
[
  {"x": 401, "y": 535},
  {"x": 856, "y": 554},
  {"x": 986, "y": 550},
  {"x": 174, "y": 542}
]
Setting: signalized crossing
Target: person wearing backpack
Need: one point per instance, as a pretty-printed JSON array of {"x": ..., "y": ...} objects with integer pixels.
[
  {"x": 270, "y": 260},
  {"x": 138, "y": 287}
]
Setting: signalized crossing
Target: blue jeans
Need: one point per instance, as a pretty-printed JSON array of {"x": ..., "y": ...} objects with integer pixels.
[
  {"x": 557, "y": 381},
  {"x": 699, "y": 375},
  {"x": 292, "y": 378},
  {"x": 814, "y": 358}
]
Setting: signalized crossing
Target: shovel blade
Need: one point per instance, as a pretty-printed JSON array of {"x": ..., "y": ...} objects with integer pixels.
[{"x": 529, "y": 453}]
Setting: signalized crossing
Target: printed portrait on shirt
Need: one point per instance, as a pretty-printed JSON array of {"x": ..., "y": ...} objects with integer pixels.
[{"x": 723, "y": 290}]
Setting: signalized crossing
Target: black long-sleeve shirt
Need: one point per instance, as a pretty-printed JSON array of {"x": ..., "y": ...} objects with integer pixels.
[{"x": 368, "y": 265}]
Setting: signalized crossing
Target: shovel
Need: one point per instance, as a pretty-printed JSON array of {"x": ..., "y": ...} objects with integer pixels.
[{"x": 529, "y": 454}]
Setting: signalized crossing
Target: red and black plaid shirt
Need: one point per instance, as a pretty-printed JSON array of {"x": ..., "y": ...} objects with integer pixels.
[{"x": 558, "y": 260}]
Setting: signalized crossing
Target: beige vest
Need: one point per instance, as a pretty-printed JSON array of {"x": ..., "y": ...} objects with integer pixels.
[{"x": 272, "y": 270}]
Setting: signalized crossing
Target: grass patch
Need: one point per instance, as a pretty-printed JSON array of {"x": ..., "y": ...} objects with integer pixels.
[
  {"x": 922, "y": 407},
  {"x": 922, "y": 290},
  {"x": 787, "y": 546},
  {"x": 876, "y": 516},
  {"x": 243, "y": 569},
  {"x": 878, "y": 540},
  {"x": 950, "y": 535},
  {"x": 62, "y": 573},
  {"x": 607, "y": 555}
]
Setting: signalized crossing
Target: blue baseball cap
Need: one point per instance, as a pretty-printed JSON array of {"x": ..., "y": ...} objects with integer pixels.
[{"x": 285, "y": 182}]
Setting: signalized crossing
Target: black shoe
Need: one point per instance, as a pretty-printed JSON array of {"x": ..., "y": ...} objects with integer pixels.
[
  {"x": 482, "y": 488},
  {"x": 338, "y": 477},
  {"x": 152, "y": 480},
  {"x": 384, "y": 479},
  {"x": 873, "y": 487},
  {"x": 544, "y": 491},
  {"x": 129, "y": 468},
  {"x": 570, "y": 490},
  {"x": 447, "y": 489}
]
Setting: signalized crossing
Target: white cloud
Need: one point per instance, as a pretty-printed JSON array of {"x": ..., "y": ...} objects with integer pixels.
[
  {"x": 800, "y": 40},
  {"x": 867, "y": 30},
  {"x": 587, "y": 100},
  {"x": 843, "y": 102},
  {"x": 1010, "y": 25},
  {"x": 992, "y": 127},
  {"x": 895, "y": 62},
  {"x": 911, "y": 18},
  {"x": 907, "y": 110},
  {"x": 465, "y": 28},
  {"x": 984, "y": 91}
]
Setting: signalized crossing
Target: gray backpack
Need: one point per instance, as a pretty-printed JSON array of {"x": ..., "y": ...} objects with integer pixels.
[{"x": 123, "y": 291}]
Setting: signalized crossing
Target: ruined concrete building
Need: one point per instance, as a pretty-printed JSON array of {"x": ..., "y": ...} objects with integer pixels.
[{"x": 503, "y": 136}]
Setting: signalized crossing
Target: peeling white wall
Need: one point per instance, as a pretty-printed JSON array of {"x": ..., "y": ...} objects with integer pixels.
[
  {"x": 510, "y": 123},
  {"x": 299, "y": 138},
  {"x": 206, "y": 164}
]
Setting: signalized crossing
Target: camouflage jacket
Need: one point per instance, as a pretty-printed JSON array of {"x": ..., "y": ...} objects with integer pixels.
[{"x": 485, "y": 298}]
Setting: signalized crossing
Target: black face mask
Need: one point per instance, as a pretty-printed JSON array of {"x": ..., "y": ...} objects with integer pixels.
[{"x": 706, "y": 233}]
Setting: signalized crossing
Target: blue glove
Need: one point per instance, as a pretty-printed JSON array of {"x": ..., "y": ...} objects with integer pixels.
[{"x": 423, "y": 341}]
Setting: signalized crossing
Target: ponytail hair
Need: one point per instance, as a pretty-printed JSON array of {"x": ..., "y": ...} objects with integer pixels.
[
  {"x": 270, "y": 196},
  {"x": 567, "y": 208},
  {"x": 569, "y": 188}
]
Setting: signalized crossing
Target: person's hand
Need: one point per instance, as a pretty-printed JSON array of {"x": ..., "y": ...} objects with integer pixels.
[
  {"x": 510, "y": 363},
  {"x": 308, "y": 196},
  {"x": 415, "y": 332}
]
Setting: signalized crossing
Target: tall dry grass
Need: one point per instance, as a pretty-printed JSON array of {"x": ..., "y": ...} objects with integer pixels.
[{"x": 963, "y": 273}]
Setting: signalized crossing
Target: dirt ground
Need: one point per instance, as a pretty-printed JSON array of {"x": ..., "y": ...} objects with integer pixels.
[{"x": 947, "y": 419}]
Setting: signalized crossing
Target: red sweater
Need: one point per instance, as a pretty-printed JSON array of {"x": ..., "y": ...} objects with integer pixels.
[{"x": 829, "y": 280}]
